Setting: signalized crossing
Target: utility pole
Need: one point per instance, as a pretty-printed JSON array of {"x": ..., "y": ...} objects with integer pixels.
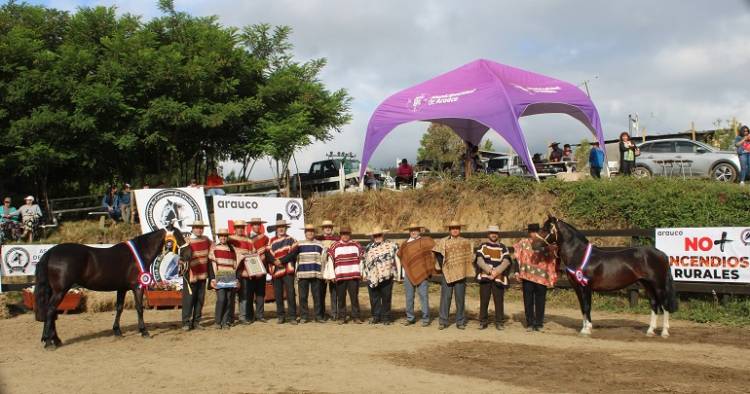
[{"x": 586, "y": 85}]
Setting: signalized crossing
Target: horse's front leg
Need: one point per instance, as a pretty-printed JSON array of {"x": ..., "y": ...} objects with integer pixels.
[
  {"x": 586, "y": 310},
  {"x": 118, "y": 311},
  {"x": 138, "y": 295},
  {"x": 579, "y": 294}
]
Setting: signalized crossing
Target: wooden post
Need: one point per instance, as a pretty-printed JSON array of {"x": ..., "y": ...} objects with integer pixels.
[
  {"x": 643, "y": 135},
  {"x": 467, "y": 160}
]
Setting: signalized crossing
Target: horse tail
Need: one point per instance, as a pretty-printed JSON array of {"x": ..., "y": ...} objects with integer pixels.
[
  {"x": 671, "y": 303},
  {"x": 42, "y": 288}
]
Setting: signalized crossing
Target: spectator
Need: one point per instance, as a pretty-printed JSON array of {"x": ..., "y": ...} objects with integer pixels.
[
  {"x": 596, "y": 160},
  {"x": 628, "y": 152},
  {"x": 212, "y": 181},
  {"x": 111, "y": 203},
  {"x": 124, "y": 199},
  {"x": 193, "y": 183},
  {"x": 556, "y": 154},
  {"x": 404, "y": 174},
  {"x": 567, "y": 154},
  {"x": 7, "y": 212},
  {"x": 742, "y": 143},
  {"x": 30, "y": 215},
  {"x": 370, "y": 181}
]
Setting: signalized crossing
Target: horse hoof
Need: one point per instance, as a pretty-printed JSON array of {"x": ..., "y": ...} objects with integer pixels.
[
  {"x": 118, "y": 332},
  {"x": 665, "y": 334},
  {"x": 585, "y": 333},
  {"x": 57, "y": 341},
  {"x": 145, "y": 334},
  {"x": 50, "y": 346},
  {"x": 650, "y": 334}
]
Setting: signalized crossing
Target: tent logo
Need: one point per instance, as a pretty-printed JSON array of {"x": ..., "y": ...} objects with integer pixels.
[
  {"x": 417, "y": 102},
  {"x": 534, "y": 90}
]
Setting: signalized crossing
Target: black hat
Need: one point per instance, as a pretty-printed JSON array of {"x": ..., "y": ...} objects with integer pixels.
[{"x": 533, "y": 227}]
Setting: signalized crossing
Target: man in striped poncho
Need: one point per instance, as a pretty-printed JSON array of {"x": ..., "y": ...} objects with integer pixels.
[
  {"x": 310, "y": 257},
  {"x": 194, "y": 282},
  {"x": 283, "y": 248},
  {"x": 493, "y": 263},
  {"x": 347, "y": 256},
  {"x": 381, "y": 267}
]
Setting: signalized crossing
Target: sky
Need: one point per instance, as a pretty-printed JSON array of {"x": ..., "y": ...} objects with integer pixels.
[{"x": 671, "y": 62}]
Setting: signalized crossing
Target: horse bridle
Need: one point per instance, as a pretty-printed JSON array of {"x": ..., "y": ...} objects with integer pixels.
[{"x": 546, "y": 240}]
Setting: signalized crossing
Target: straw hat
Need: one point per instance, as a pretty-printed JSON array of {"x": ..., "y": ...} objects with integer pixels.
[
  {"x": 282, "y": 223},
  {"x": 533, "y": 228},
  {"x": 413, "y": 226},
  {"x": 345, "y": 230},
  {"x": 29, "y": 198},
  {"x": 493, "y": 229},
  {"x": 239, "y": 223},
  {"x": 309, "y": 227},
  {"x": 327, "y": 223},
  {"x": 222, "y": 231},
  {"x": 198, "y": 223},
  {"x": 377, "y": 230},
  {"x": 454, "y": 223},
  {"x": 256, "y": 221}
]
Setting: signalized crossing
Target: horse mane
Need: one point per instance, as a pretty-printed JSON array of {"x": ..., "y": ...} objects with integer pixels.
[{"x": 573, "y": 231}]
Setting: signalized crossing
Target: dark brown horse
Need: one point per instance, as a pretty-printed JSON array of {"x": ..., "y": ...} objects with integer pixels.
[
  {"x": 99, "y": 269},
  {"x": 592, "y": 269}
]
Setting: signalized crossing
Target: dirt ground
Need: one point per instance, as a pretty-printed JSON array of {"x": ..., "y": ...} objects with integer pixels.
[{"x": 266, "y": 357}]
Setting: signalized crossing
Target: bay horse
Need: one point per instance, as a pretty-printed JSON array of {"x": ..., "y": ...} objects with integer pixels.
[
  {"x": 100, "y": 269},
  {"x": 592, "y": 269}
]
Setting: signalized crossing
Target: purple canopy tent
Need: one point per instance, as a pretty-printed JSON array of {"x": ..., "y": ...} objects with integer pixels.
[{"x": 479, "y": 96}]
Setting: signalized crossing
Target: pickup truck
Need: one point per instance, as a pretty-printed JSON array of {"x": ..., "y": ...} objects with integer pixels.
[{"x": 323, "y": 177}]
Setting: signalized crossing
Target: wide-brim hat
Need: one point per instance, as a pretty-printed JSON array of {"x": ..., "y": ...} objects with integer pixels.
[
  {"x": 281, "y": 223},
  {"x": 413, "y": 226},
  {"x": 377, "y": 230},
  {"x": 309, "y": 227},
  {"x": 493, "y": 229},
  {"x": 197, "y": 223},
  {"x": 222, "y": 231},
  {"x": 327, "y": 223},
  {"x": 533, "y": 227},
  {"x": 256, "y": 221},
  {"x": 454, "y": 223},
  {"x": 554, "y": 144},
  {"x": 345, "y": 230},
  {"x": 29, "y": 198},
  {"x": 239, "y": 223}
]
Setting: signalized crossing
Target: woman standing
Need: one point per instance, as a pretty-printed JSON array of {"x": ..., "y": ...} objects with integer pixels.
[
  {"x": 742, "y": 143},
  {"x": 627, "y": 154},
  {"x": 224, "y": 278}
]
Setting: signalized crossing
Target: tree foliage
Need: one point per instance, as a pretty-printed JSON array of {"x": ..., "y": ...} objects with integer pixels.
[
  {"x": 440, "y": 145},
  {"x": 91, "y": 97}
]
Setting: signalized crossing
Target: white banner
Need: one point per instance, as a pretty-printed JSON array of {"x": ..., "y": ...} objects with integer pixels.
[
  {"x": 20, "y": 260},
  {"x": 158, "y": 207},
  {"x": 270, "y": 209},
  {"x": 709, "y": 254}
]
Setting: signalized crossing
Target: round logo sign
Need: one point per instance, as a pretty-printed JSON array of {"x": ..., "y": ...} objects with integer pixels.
[
  {"x": 745, "y": 237},
  {"x": 172, "y": 205},
  {"x": 16, "y": 260},
  {"x": 293, "y": 209}
]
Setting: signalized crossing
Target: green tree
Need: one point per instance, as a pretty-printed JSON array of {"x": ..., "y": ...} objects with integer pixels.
[
  {"x": 440, "y": 145},
  {"x": 582, "y": 154},
  {"x": 487, "y": 146}
]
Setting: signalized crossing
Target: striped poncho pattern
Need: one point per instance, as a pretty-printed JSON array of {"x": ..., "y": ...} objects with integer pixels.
[
  {"x": 199, "y": 247},
  {"x": 346, "y": 257},
  {"x": 380, "y": 262},
  {"x": 242, "y": 246},
  {"x": 280, "y": 248},
  {"x": 310, "y": 259}
]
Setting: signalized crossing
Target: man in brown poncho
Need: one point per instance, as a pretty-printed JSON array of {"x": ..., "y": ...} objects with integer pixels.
[
  {"x": 455, "y": 257},
  {"x": 418, "y": 264}
]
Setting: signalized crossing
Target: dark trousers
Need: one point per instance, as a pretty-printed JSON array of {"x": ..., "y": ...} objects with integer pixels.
[
  {"x": 534, "y": 298},
  {"x": 255, "y": 289},
  {"x": 352, "y": 287},
  {"x": 192, "y": 301},
  {"x": 380, "y": 300},
  {"x": 307, "y": 286},
  {"x": 403, "y": 180},
  {"x": 596, "y": 172},
  {"x": 279, "y": 284},
  {"x": 626, "y": 167},
  {"x": 495, "y": 290},
  {"x": 224, "y": 306},
  {"x": 331, "y": 287}
]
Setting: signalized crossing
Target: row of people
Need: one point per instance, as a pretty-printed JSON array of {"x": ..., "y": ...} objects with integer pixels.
[
  {"x": 237, "y": 266},
  {"x": 19, "y": 223}
]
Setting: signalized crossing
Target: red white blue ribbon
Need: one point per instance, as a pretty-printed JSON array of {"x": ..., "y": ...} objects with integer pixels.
[
  {"x": 145, "y": 279},
  {"x": 581, "y": 278}
]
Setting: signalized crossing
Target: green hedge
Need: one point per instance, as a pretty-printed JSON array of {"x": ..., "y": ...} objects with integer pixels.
[{"x": 637, "y": 203}]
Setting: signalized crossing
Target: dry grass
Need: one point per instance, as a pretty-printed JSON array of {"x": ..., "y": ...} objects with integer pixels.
[
  {"x": 99, "y": 301},
  {"x": 89, "y": 232},
  {"x": 431, "y": 208}
]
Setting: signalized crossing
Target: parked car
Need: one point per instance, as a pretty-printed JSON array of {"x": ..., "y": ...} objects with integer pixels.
[{"x": 680, "y": 156}]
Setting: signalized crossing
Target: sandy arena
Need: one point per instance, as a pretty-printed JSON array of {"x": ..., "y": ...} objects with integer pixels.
[{"x": 363, "y": 358}]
